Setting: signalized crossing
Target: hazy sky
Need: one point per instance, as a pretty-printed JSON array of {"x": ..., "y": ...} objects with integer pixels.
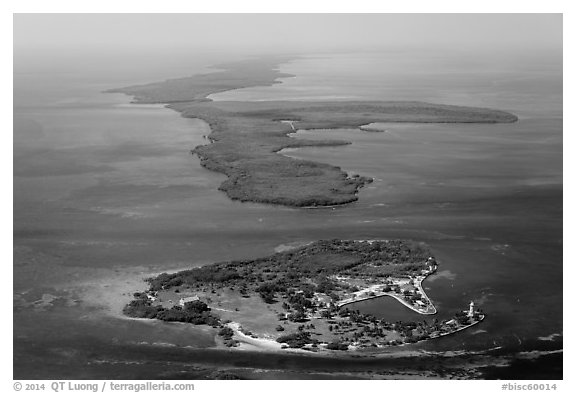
[{"x": 305, "y": 32}]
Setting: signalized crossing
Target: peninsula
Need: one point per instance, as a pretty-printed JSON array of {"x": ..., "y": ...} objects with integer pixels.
[
  {"x": 246, "y": 136},
  {"x": 297, "y": 298}
]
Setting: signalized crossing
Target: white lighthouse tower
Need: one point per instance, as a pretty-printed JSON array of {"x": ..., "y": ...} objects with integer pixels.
[{"x": 471, "y": 310}]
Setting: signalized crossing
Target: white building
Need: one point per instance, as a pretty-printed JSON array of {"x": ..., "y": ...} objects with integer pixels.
[
  {"x": 471, "y": 310},
  {"x": 188, "y": 299}
]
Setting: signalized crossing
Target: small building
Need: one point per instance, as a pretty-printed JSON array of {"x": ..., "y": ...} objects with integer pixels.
[{"x": 188, "y": 299}]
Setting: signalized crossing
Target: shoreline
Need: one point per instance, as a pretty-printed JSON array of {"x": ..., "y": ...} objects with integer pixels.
[
  {"x": 113, "y": 291},
  {"x": 247, "y": 343},
  {"x": 417, "y": 284},
  {"x": 246, "y": 136},
  {"x": 160, "y": 298}
]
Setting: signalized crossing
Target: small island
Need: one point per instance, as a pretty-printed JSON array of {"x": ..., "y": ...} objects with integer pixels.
[
  {"x": 247, "y": 135},
  {"x": 297, "y": 299}
]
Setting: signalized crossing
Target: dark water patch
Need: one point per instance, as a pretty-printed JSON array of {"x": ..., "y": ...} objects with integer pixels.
[
  {"x": 388, "y": 309},
  {"x": 94, "y": 358},
  {"x": 545, "y": 367},
  {"x": 452, "y": 186}
]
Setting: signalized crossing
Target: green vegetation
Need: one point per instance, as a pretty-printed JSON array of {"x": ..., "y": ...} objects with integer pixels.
[
  {"x": 142, "y": 309},
  {"x": 306, "y": 288},
  {"x": 226, "y": 333},
  {"x": 302, "y": 289},
  {"x": 297, "y": 274},
  {"x": 337, "y": 346},
  {"x": 196, "y": 312},
  {"x": 246, "y": 136},
  {"x": 297, "y": 340}
]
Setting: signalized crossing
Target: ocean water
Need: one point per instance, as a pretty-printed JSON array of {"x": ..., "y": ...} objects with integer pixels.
[{"x": 105, "y": 190}]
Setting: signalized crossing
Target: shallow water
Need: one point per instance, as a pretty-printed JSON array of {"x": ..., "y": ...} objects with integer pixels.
[
  {"x": 487, "y": 202},
  {"x": 103, "y": 188},
  {"x": 387, "y": 309}
]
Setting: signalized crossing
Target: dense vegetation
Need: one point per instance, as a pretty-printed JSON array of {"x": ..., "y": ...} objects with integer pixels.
[
  {"x": 297, "y": 340},
  {"x": 297, "y": 274},
  {"x": 293, "y": 276},
  {"x": 246, "y": 136},
  {"x": 195, "y": 312},
  {"x": 302, "y": 286}
]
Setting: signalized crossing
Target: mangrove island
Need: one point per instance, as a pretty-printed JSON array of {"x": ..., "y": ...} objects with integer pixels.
[
  {"x": 246, "y": 136},
  {"x": 297, "y": 298}
]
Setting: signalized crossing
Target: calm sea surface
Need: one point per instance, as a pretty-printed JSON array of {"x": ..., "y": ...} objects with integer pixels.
[{"x": 105, "y": 190}]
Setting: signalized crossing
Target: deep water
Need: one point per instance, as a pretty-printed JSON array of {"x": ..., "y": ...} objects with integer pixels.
[{"x": 104, "y": 188}]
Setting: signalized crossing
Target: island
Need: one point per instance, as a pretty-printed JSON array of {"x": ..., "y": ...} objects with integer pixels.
[
  {"x": 247, "y": 136},
  {"x": 298, "y": 299}
]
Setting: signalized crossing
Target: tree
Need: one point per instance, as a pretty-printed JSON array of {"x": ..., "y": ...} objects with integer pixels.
[
  {"x": 268, "y": 297},
  {"x": 196, "y": 306},
  {"x": 297, "y": 316},
  {"x": 463, "y": 319},
  {"x": 296, "y": 340},
  {"x": 337, "y": 346},
  {"x": 142, "y": 309},
  {"x": 226, "y": 333}
]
